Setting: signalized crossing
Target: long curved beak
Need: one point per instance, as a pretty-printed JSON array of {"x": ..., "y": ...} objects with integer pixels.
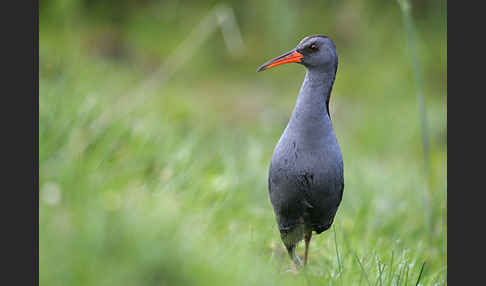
[{"x": 290, "y": 57}]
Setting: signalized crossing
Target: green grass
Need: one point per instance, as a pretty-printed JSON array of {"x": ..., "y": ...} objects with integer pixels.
[{"x": 173, "y": 190}]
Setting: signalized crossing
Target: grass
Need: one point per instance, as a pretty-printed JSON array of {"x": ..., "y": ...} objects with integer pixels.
[{"x": 173, "y": 190}]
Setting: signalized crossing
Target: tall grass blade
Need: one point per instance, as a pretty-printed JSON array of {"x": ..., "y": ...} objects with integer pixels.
[
  {"x": 406, "y": 274},
  {"x": 381, "y": 267},
  {"x": 420, "y": 274},
  {"x": 337, "y": 250},
  {"x": 363, "y": 270},
  {"x": 390, "y": 273},
  {"x": 406, "y": 7}
]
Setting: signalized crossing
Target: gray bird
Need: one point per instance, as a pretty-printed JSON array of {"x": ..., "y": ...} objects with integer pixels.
[{"x": 306, "y": 180}]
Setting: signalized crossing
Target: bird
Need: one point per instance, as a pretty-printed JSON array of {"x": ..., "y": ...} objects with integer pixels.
[{"x": 306, "y": 174}]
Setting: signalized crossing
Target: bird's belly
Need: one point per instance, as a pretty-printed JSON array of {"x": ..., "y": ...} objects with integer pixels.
[{"x": 308, "y": 179}]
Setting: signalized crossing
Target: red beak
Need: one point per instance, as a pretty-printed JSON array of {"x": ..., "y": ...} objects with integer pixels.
[{"x": 290, "y": 57}]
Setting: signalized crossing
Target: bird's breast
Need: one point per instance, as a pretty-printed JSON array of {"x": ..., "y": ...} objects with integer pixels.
[{"x": 294, "y": 161}]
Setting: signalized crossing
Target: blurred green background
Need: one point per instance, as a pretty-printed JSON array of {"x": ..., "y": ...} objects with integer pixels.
[{"x": 156, "y": 133}]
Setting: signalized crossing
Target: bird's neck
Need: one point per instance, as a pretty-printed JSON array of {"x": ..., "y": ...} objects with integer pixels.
[{"x": 311, "y": 111}]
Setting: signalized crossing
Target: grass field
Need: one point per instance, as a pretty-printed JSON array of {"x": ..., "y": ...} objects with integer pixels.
[{"x": 168, "y": 185}]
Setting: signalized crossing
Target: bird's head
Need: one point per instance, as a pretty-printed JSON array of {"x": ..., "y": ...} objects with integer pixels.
[{"x": 315, "y": 52}]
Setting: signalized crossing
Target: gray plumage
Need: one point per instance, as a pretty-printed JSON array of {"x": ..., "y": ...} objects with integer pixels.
[{"x": 306, "y": 179}]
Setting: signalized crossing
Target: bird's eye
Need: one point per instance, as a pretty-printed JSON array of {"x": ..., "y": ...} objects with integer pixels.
[{"x": 313, "y": 47}]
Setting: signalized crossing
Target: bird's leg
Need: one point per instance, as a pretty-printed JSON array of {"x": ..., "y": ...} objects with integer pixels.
[
  {"x": 291, "y": 239},
  {"x": 307, "y": 239},
  {"x": 295, "y": 258}
]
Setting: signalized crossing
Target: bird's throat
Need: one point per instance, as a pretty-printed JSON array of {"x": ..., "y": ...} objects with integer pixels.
[{"x": 311, "y": 109}]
